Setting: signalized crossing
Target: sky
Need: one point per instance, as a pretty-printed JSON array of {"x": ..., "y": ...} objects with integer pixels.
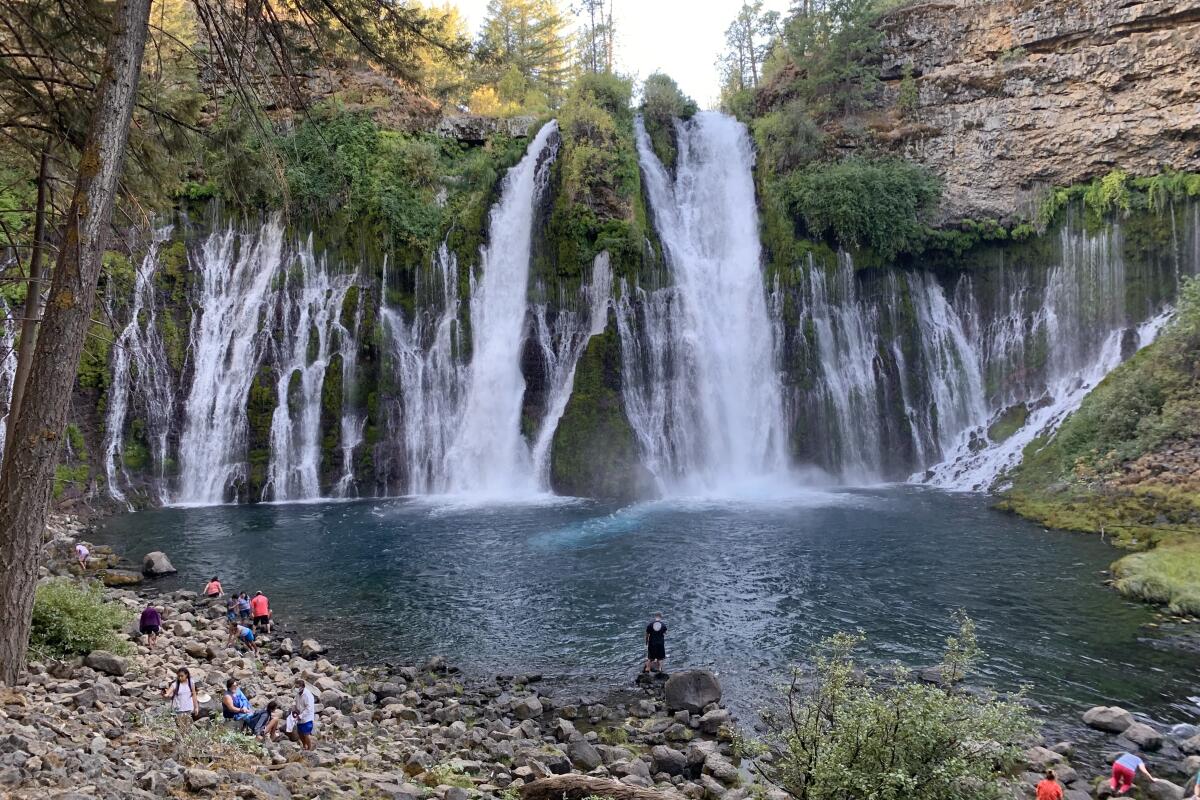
[{"x": 679, "y": 37}]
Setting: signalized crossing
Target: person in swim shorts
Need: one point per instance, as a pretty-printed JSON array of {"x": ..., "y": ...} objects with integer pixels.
[{"x": 656, "y": 644}]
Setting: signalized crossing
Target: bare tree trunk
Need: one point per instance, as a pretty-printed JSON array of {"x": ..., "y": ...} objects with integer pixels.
[
  {"x": 580, "y": 787},
  {"x": 30, "y": 457},
  {"x": 33, "y": 296}
]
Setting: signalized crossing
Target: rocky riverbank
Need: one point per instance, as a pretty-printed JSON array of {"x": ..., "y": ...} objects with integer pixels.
[{"x": 98, "y": 727}]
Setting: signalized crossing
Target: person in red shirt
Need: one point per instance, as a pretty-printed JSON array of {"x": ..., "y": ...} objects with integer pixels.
[
  {"x": 213, "y": 588},
  {"x": 260, "y": 610},
  {"x": 1049, "y": 788}
]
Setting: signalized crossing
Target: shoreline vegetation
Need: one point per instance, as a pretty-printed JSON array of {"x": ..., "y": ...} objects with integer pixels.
[
  {"x": 88, "y": 717},
  {"x": 1126, "y": 465}
]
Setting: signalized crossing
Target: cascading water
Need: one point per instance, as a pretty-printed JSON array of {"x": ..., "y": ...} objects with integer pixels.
[
  {"x": 8, "y": 366},
  {"x": 561, "y": 346},
  {"x": 488, "y": 455},
  {"x": 704, "y": 395},
  {"x": 227, "y": 342},
  {"x": 139, "y": 367},
  {"x": 311, "y": 300},
  {"x": 353, "y": 421}
]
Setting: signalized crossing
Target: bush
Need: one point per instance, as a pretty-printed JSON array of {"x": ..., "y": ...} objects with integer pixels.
[
  {"x": 788, "y": 138},
  {"x": 1168, "y": 574},
  {"x": 662, "y": 104},
  {"x": 878, "y": 204},
  {"x": 70, "y": 619},
  {"x": 846, "y": 735}
]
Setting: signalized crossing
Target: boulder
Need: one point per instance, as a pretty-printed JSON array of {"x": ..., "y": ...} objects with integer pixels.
[
  {"x": 1145, "y": 737},
  {"x": 1163, "y": 789},
  {"x": 310, "y": 648},
  {"x": 527, "y": 708},
  {"x": 1108, "y": 718},
  {"x": 712, "y": 722},
  {"x": 1041, "y": 759},
  {"x": 182, "y": 628},
  {"x": 119, "y": 577},
  {"x": 106, "y": 662},
  {"x": 157, "y": 563},
  {"x": 1191, "y": 746},
  {"x": 691, "y": 690},
  {"x": 583, "y": 755},
  {"x": 200, "y": 779},
  {"x": 668, "y": 760}
]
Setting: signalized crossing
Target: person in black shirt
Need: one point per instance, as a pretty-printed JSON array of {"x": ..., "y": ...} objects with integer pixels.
[{"x": 656, "y": 644}]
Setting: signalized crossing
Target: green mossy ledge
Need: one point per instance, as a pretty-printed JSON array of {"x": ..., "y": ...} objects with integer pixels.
[{"x": 595, "y": 452}]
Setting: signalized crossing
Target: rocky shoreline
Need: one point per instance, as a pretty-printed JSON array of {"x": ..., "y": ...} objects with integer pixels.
[{"x": 97, "y": 727}]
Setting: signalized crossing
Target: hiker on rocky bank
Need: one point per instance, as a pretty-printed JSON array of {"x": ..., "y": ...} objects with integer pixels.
[
  {"x": 263, "y": 723},
  {"x": 1049, "y": 788},
  {"x": 305, "y": 710},
  {"x": 212, "y": 589},
  {"x": 235, "y": 704},
  {"x": 243, "y": 634},
  {"x": 1125, "y": 770},
  {"x": 150, "y": 623},
  {"x": 243, "y": 605},
  {"x": 260, "y": 610},
  {"x": 82, "y": 553},
  {"x": 656, "y": 644},
  {"x": 182, "y": 695}
]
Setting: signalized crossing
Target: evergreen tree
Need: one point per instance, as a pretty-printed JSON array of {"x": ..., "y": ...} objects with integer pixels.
[{"x": 523, "y": 53}]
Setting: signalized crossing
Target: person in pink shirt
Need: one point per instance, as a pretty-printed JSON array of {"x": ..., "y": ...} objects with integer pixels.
[{"x": 260, "y": 610}]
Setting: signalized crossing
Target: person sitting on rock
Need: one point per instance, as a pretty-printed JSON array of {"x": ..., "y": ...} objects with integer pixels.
[
  {"x": 656, "y": 644},
  {"x": 235, "y": 704},
  {"x": 261, "y": 611},
  {"x": 263, "y": 723},
  {"x": 150, "y": 623},
  {"x": 243, "y": 634},
  {"x": 305, "y": 710},
  {"x": 82, "y": 553},
  {"x": 1125, "y": 769},
  {"x": 212, "y": 589},
  {"x": 1049, "y": 788}
]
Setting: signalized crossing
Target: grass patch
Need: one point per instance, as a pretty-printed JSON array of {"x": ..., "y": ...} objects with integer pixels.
[
  {"x": 71, "y": 619},
  {"x": 447, "y": 775},
  {"x": 1168, "y": 574}
]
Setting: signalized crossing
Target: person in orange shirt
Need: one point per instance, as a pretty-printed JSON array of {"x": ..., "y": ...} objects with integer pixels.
[
  {"x": 213, "y": 588},
  {"x": 1049, "y": 788},
  {"x": 260, "y": 610}
]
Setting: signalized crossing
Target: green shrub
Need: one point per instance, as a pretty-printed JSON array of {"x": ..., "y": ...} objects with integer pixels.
[
  {"x": 846, "y": 735},
  {"x": 879, "y": 204},
  {"x": 662, "y": 103},
  {"x": 72, "y": 619},
  {"x": 1168, "y": 574},
  {"x": 788, "y": 138}
]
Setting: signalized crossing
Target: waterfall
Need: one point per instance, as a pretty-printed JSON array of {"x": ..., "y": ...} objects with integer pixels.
[
  {"x": 704, "y": 398},
  {"x": 431, "y": 376},
  {"x": 227, "y": 342},
  {"x": 8, "y": 365},
  {"x": 561, "y": 347},
  {"x": 488, "y": 455},
  {"x": 308, "y": 312},
  {"x": 139, "y": 365},
  {"x": 353, "y": 421}
]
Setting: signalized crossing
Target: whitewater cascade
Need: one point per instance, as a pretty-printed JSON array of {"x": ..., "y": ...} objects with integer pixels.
[
  {"x": 227, "y": 342},
  {"x": 8, "y": 365},
  {"x": 140, "y": 374},
  {"x": 306, "y": 323},
  {"x": 702, "y": 390},
  {"x": 488, "y": 456},
  {"x": 353, "y": 421}
]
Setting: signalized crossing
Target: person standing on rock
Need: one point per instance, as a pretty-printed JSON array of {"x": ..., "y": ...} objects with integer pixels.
[
  {"x": 260, "y": 608},
  {"x": 1125, "y": 770},
  {"x": 1049, "y": 788},
  {"x": 182, "y": 695},
  {"x": 243, "y": 604},
  {"x": 305, "y": 710},
  {"x": 212, "y": 589},
  {"x": 150, "y": 623},
  {"x": 82, "y": 553},
  {"x": 656, "y": 644}
]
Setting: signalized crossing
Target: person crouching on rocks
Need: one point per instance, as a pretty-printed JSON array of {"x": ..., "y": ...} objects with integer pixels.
[
  {"x": 305, "y": 710},
  {"x": 1049, "y": 788},
  {"x": 81, "y": 555},
  {"x": 212, "y": 589},
  {"x": 1125, "y": 769},
  {"x": 150, "y": 623},
  {"x": 243, "y": 634},
  {"x": 656, "y": 644},
  {"x": 182, "y": 695}
]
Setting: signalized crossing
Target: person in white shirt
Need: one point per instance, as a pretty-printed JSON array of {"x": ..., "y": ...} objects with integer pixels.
[
  {"x": 82, "y": 553},
  {"x": 182, "y": 695},
  {"x": 305, "y": 710}
]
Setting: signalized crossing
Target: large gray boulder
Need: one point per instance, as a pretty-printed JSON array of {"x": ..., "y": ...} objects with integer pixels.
[
  {"x": 527, "y": 708},
  {"x": 1163, "y": 789},
  {"x": 691, "y": 690},
  {"x": 668, "y": 760},
  {"x": 583, "y": 755},
  {"x": 157, "y": 563},
  {"x": 1108, "y": 718},
  {"x": 1145, "y": 737},
  {"x": 106, "y": 662}
]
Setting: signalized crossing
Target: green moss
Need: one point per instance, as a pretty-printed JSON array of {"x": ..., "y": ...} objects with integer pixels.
[
  {"x": 332, "y": 395},
  {"x": 70, "y": 477},
  {"x": 594, "y": 452},
  {"x": 1011, "y": 421},
  {"x": 1168, "y": 574},
  {"x": 260, "y": 411}
]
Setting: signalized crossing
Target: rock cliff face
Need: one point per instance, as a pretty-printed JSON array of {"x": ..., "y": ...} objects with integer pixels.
[{"x": 1015, "y": 96}]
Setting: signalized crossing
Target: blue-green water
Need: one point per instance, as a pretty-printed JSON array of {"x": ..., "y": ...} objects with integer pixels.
[{"x": 565, "y": 587}]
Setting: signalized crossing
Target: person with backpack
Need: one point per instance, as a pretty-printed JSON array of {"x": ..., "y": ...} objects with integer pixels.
[{"x": 656, "y": 644}]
